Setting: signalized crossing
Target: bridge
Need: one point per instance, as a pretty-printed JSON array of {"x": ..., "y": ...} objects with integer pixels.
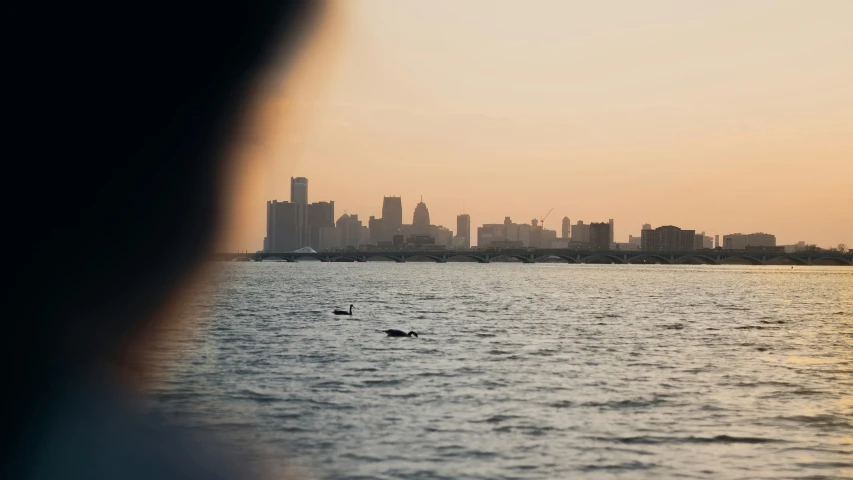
[{"x": 708, "y": 257}]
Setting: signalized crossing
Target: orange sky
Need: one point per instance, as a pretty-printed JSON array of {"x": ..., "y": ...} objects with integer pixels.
[{"x": 724, "y": 116}]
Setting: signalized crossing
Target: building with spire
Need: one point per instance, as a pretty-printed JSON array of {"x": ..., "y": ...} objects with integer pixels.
[
  {"x": 420, "y": 219},
  {"x": 463, "y": 231}
]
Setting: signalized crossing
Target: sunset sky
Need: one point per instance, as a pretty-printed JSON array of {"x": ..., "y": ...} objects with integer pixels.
[{"x": 723, "y": 116}]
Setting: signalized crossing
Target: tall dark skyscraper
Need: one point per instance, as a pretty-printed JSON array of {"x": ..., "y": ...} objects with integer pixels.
[
  {"x": 599, "y": 236},
  {"x": 566, "y": 226},
  {"x": 283, "y": 232},
  {"x": 420, "y": 219},
  {"x": 612, "y": 229},
  {"x": 299, "y": 190},
  {"x": 463, "y": 229},
  {"x": 320, "y": 214},
  {"x": 299, "y": 196},
  {"x": 392, "y": 214}
]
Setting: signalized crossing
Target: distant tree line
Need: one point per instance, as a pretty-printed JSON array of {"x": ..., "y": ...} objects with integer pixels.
[{"x": 841, "y": 248}]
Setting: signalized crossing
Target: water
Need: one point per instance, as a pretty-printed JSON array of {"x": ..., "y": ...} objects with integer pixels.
[{"x": 523, "y": 371}]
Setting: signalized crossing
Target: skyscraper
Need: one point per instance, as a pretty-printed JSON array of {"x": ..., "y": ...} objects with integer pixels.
[
  {"x": 283, "y": 233},
  {"x": 299, "y": 190},
  {"x": 463, "y": 230},
  {"x": 392, "y": 214},
  {"x": 299, "y": 196},
  {"x": 320, "y": 214},
  {"x": 599, "y": 235},
  {"x": 420, "y": 219},
  {"x": 566, "y": 226},
  {"x": 612, "y": 229}
]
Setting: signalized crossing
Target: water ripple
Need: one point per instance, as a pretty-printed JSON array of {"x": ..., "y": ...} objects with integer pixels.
[{"x": 521, "y": 371}]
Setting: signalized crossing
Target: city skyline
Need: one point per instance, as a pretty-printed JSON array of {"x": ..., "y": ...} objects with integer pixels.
[
  {"x": 667, "y": 122},
  {"x": 301, "y": 223}
]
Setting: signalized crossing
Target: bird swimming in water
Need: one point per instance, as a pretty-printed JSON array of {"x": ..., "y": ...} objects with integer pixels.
[
  {"x": 343, "y": 312},
  {"x": 399, "y": 333}
]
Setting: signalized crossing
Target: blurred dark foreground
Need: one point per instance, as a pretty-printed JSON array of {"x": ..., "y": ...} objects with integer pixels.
[{"x": 122, "y": 118}]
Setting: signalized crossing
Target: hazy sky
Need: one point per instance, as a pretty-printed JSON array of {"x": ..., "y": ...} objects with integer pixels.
[{"x": 722, "y": 116}]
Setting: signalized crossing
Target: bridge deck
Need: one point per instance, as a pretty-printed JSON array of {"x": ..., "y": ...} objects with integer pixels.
[{"x": 712, "y": 257}]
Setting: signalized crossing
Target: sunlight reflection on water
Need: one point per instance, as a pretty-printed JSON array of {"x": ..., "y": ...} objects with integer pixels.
[{"x": 524, "y": 371}]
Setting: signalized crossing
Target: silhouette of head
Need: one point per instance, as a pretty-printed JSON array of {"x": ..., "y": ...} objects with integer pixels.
[
  {"x": 412, "y": 334},
  {"x": 130, "y": 164}
]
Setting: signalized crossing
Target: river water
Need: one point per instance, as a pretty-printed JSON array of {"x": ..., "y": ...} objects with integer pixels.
[{"x": 521, "y": 371}]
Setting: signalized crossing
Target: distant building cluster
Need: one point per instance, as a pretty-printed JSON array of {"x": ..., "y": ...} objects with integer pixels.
[
  {"x": 299, "y": 225},
  {"x": 669, "y": 238},
  {"x": 534, "y": 235},
  {"x": 740, "y": 241}
]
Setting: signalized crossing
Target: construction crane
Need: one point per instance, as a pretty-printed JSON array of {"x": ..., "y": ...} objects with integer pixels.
[{"x": 542, "y": 220}]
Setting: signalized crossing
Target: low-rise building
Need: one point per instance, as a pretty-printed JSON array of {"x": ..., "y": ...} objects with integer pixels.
[
  {"x": 580, "y": 232},
  {"x": 739, "y": 241},
  {"x": 668, "y": 238}
]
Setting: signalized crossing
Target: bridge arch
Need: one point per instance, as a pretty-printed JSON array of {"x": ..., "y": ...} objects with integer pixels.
[
  {"x": 602, "y": 256},
  {"x": 785, "y": 260},
  {"x": 641, "y": 259},
  {"x": 699, "y": 259},
  {"x": 830, "y": 261},
  {"x": 468, "y": 255},
  {"x": 738, "y": 259},
  {"x": 522, "y": 258},
  {"x": 567, "y": 258},
  {"x": 423, "y": 255},
  {"x": 388, "y": 257},
  {"x": 276, "y": 258},
  {"x": 345, "y": 258}
]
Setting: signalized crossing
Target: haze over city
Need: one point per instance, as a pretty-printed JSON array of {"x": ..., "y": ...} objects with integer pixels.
[{"x": 721, "y": 117}]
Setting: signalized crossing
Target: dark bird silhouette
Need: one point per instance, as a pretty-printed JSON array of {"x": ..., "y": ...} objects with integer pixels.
[
  {"x": 399, "y": 333},
  {"x": 343, "y": 312}
]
